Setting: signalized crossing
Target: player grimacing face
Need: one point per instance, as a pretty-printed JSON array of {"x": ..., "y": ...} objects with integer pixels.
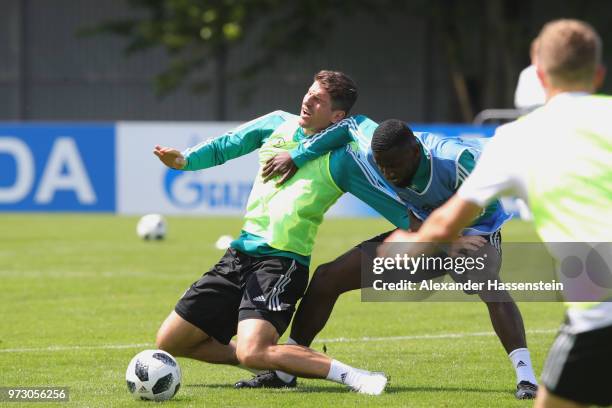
[
  {"x": 399, "y": 165},
  {"x": 317, "y": 112}
]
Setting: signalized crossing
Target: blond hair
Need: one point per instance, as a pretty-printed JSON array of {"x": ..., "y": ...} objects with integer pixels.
[{"x": 569, "y": 51}]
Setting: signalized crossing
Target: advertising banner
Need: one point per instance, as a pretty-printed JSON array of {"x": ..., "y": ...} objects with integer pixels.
[
  {"x": 145, "y": 185},
  {"x": 57, "y": 167}
]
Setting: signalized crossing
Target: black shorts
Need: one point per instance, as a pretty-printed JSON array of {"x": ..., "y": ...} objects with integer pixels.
[
  {"x": 491, "y": 250},
  {"x": 579, "y": 365},
  {"x": 243, "y": 287}
]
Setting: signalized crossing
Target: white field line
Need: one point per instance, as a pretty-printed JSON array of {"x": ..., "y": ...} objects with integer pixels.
[
  {"x": 75, "y": 348},
  {"x": 423, "y": 337},
  {"x": 336, "y": 340}
]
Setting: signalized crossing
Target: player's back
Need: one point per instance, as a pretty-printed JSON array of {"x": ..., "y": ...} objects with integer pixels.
[{"x": 567, "y": 162}]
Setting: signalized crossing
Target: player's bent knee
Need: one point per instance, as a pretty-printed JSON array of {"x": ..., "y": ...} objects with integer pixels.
[
  {"x": 251, "y": 357},
  {"x": 251, "y": 360}
]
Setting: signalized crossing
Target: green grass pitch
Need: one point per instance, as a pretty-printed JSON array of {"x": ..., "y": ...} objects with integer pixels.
[{"x": 81, "y": 294}]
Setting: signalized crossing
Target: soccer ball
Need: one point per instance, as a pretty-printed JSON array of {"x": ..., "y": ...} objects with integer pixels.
[
  {"x": 153, "y": 375},
  {"x": 152, "y": 226}
]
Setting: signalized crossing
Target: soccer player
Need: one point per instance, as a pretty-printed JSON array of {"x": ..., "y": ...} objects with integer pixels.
[
  {"x": 424, "y": 170},
  {"x": 253, "y": 289},
  {"x": 565, "y": 175}
]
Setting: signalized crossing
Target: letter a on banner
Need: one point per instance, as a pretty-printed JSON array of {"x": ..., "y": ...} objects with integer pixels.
[{"x": 65, "y": 153}]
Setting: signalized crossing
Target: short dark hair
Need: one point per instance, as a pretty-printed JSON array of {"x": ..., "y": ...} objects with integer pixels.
[
  {"x": 341, "y": 89},
  {"x": 391, "y": 134}
]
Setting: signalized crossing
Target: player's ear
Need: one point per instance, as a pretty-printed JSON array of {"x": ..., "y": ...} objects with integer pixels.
[
  {"x": 338, "y": 115},
  {"x": 542, "y": 77},
  {"x": 600, "y": 75}
]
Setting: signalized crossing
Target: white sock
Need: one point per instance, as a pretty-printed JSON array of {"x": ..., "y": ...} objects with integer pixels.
[
  {"x": 341, "y": 373},
  {"x": 362, "y": 381},
  {"x": 283, "y": 375},
  {"x": 345, "y": 374},
  {"x": 521, "y": 361}
]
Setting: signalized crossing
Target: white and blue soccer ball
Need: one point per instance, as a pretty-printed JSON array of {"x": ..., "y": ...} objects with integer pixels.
[
  {"x": 153, "y": 375},
  {"x": 152, "y": 227}
]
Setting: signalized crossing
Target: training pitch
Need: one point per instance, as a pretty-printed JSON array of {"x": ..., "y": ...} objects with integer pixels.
[{"x": 81, "y": 295}]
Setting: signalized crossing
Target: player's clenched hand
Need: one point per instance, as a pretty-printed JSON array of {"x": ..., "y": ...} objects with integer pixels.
[
  {"x": 280, "y": 165},
  {"x": 468, "y": 243},
  {"x": 170, "y": 157}
]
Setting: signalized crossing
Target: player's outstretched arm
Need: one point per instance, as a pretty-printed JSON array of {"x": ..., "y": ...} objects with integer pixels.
[
  {"x": 218, "y": 150},
  {"x": 170, "y": 157}
]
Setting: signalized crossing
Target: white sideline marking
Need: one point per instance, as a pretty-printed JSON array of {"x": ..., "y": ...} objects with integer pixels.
[
  {"x": 336, "y": 340},
  {"x": 423, "y": 336},
  {"x": 75, "y": 348}
]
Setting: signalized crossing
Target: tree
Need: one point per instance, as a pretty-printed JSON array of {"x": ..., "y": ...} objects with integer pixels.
[
  {"x": 196, "y": 33},
  {"x": 484, "y": 43}
]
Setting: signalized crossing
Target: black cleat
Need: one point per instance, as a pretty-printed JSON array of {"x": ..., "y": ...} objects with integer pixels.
[
  {"x": 267, "y": 379},
  {"x": 526, "y": 390}
]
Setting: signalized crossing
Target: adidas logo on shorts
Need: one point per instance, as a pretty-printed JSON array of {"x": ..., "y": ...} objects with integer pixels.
[{"x": 259, "y": 298}]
